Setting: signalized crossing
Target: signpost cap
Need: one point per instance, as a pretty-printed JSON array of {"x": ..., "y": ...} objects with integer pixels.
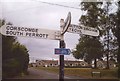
[{"x": 66, "y": 23}]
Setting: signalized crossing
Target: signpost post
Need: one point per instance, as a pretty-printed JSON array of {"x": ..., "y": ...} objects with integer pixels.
[
  {"x": 61, "y": 60},
  {"x": 63, "y": 26}
]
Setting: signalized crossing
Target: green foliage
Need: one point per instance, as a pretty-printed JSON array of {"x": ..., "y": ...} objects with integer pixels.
[
  {"x": 118, "y": 37},
  {"x": 9, "y": 67},
  {"x": 118, "y": 71},
  {"x": 118, "y": 30},
  {"x": 115, "y": 25},
  {"x": 83, "y": 72},
  {"x": 21, "y": 54},
  {"x": 91, "y": 19},
  {"x": 7, "y": 43},
  {"x": 98, "y": 16},
  {"x": 15, "y": 57},
  {"x": 88, "y": 49}
]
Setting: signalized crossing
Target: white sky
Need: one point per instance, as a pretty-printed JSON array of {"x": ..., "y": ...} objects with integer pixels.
[{"x": 32, "y": 13}]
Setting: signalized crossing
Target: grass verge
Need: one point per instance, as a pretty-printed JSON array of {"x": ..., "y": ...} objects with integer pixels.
[{"x": 84, "y": 72}]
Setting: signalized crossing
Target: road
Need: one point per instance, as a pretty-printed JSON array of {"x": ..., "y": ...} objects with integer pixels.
[{"x": 41, "y": 74}]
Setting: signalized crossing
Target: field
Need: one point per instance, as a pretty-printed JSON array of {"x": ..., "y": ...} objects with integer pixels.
[{"x": 84, "y": 72}]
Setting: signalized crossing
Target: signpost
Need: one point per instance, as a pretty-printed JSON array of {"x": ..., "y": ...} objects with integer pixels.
[
  {"x": 66, "y": 26},
  {"x": 10, "y": 30},
  {"x": 63, "y": 26}
]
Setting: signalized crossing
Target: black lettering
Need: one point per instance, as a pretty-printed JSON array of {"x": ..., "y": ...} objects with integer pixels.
[
  {"x": 11, "y": 28},
  {"x": 80, "y": 31},
  {"x": 75, "y": 30},
  {"x": 80, "y": 27},
  {"x": 7, "y": 27},
  {"x": 21, "y": 33},
  {"x": 72, "y": 29},
  {"x": 7, "y": 32},
  {"x": 36, "y": 30},
  {"x": 37, "y": 35},
  {"x": 14, "y": 33},
  {"x": 30, "y": 30},
  {"x": 22, "y": 29},
  {"x": 10, "y": 32},
  {"x": 33, "y": 34},
  {"x": 15, "y": 28},
  {"x": 18, "y": 28},
  {"x": 46, "y": 35},
  {"x": 27, "y": 34},
  {"x": 40, "y": 35},
  {"x": 25, "y": 29}
]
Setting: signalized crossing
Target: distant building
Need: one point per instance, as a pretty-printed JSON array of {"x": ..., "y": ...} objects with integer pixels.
[
  {"x": 103, "y": 64},
  {"x": 54, "y": 63},
  {"x": 75, "y": 63},
  {"x": 69, "y": 63},
  {"x": 47, "y": 63},
  {"x": 32, "y": 65}
]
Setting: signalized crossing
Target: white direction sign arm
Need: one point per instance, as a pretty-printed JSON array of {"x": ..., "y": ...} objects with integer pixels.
[
  {"x": 90, "y": 31},
  {"x": 10, "y": 30},
  {"x": 77, "y": 29}
]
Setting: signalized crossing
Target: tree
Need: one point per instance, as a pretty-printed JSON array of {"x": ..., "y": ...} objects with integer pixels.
[
  {"x": 99, "y": 16},
  {"x": 7, "y": 43},
  {"x": 116, "y": 31},
  {"x": 114, "y": 21},
  {"x": 15, "y": 57},
  {"x": 118, "y": 37},
  {"x": 20, "y": 53},
  {"x": 109, "y": 39},
  {"x": 87, "y": 48}
]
